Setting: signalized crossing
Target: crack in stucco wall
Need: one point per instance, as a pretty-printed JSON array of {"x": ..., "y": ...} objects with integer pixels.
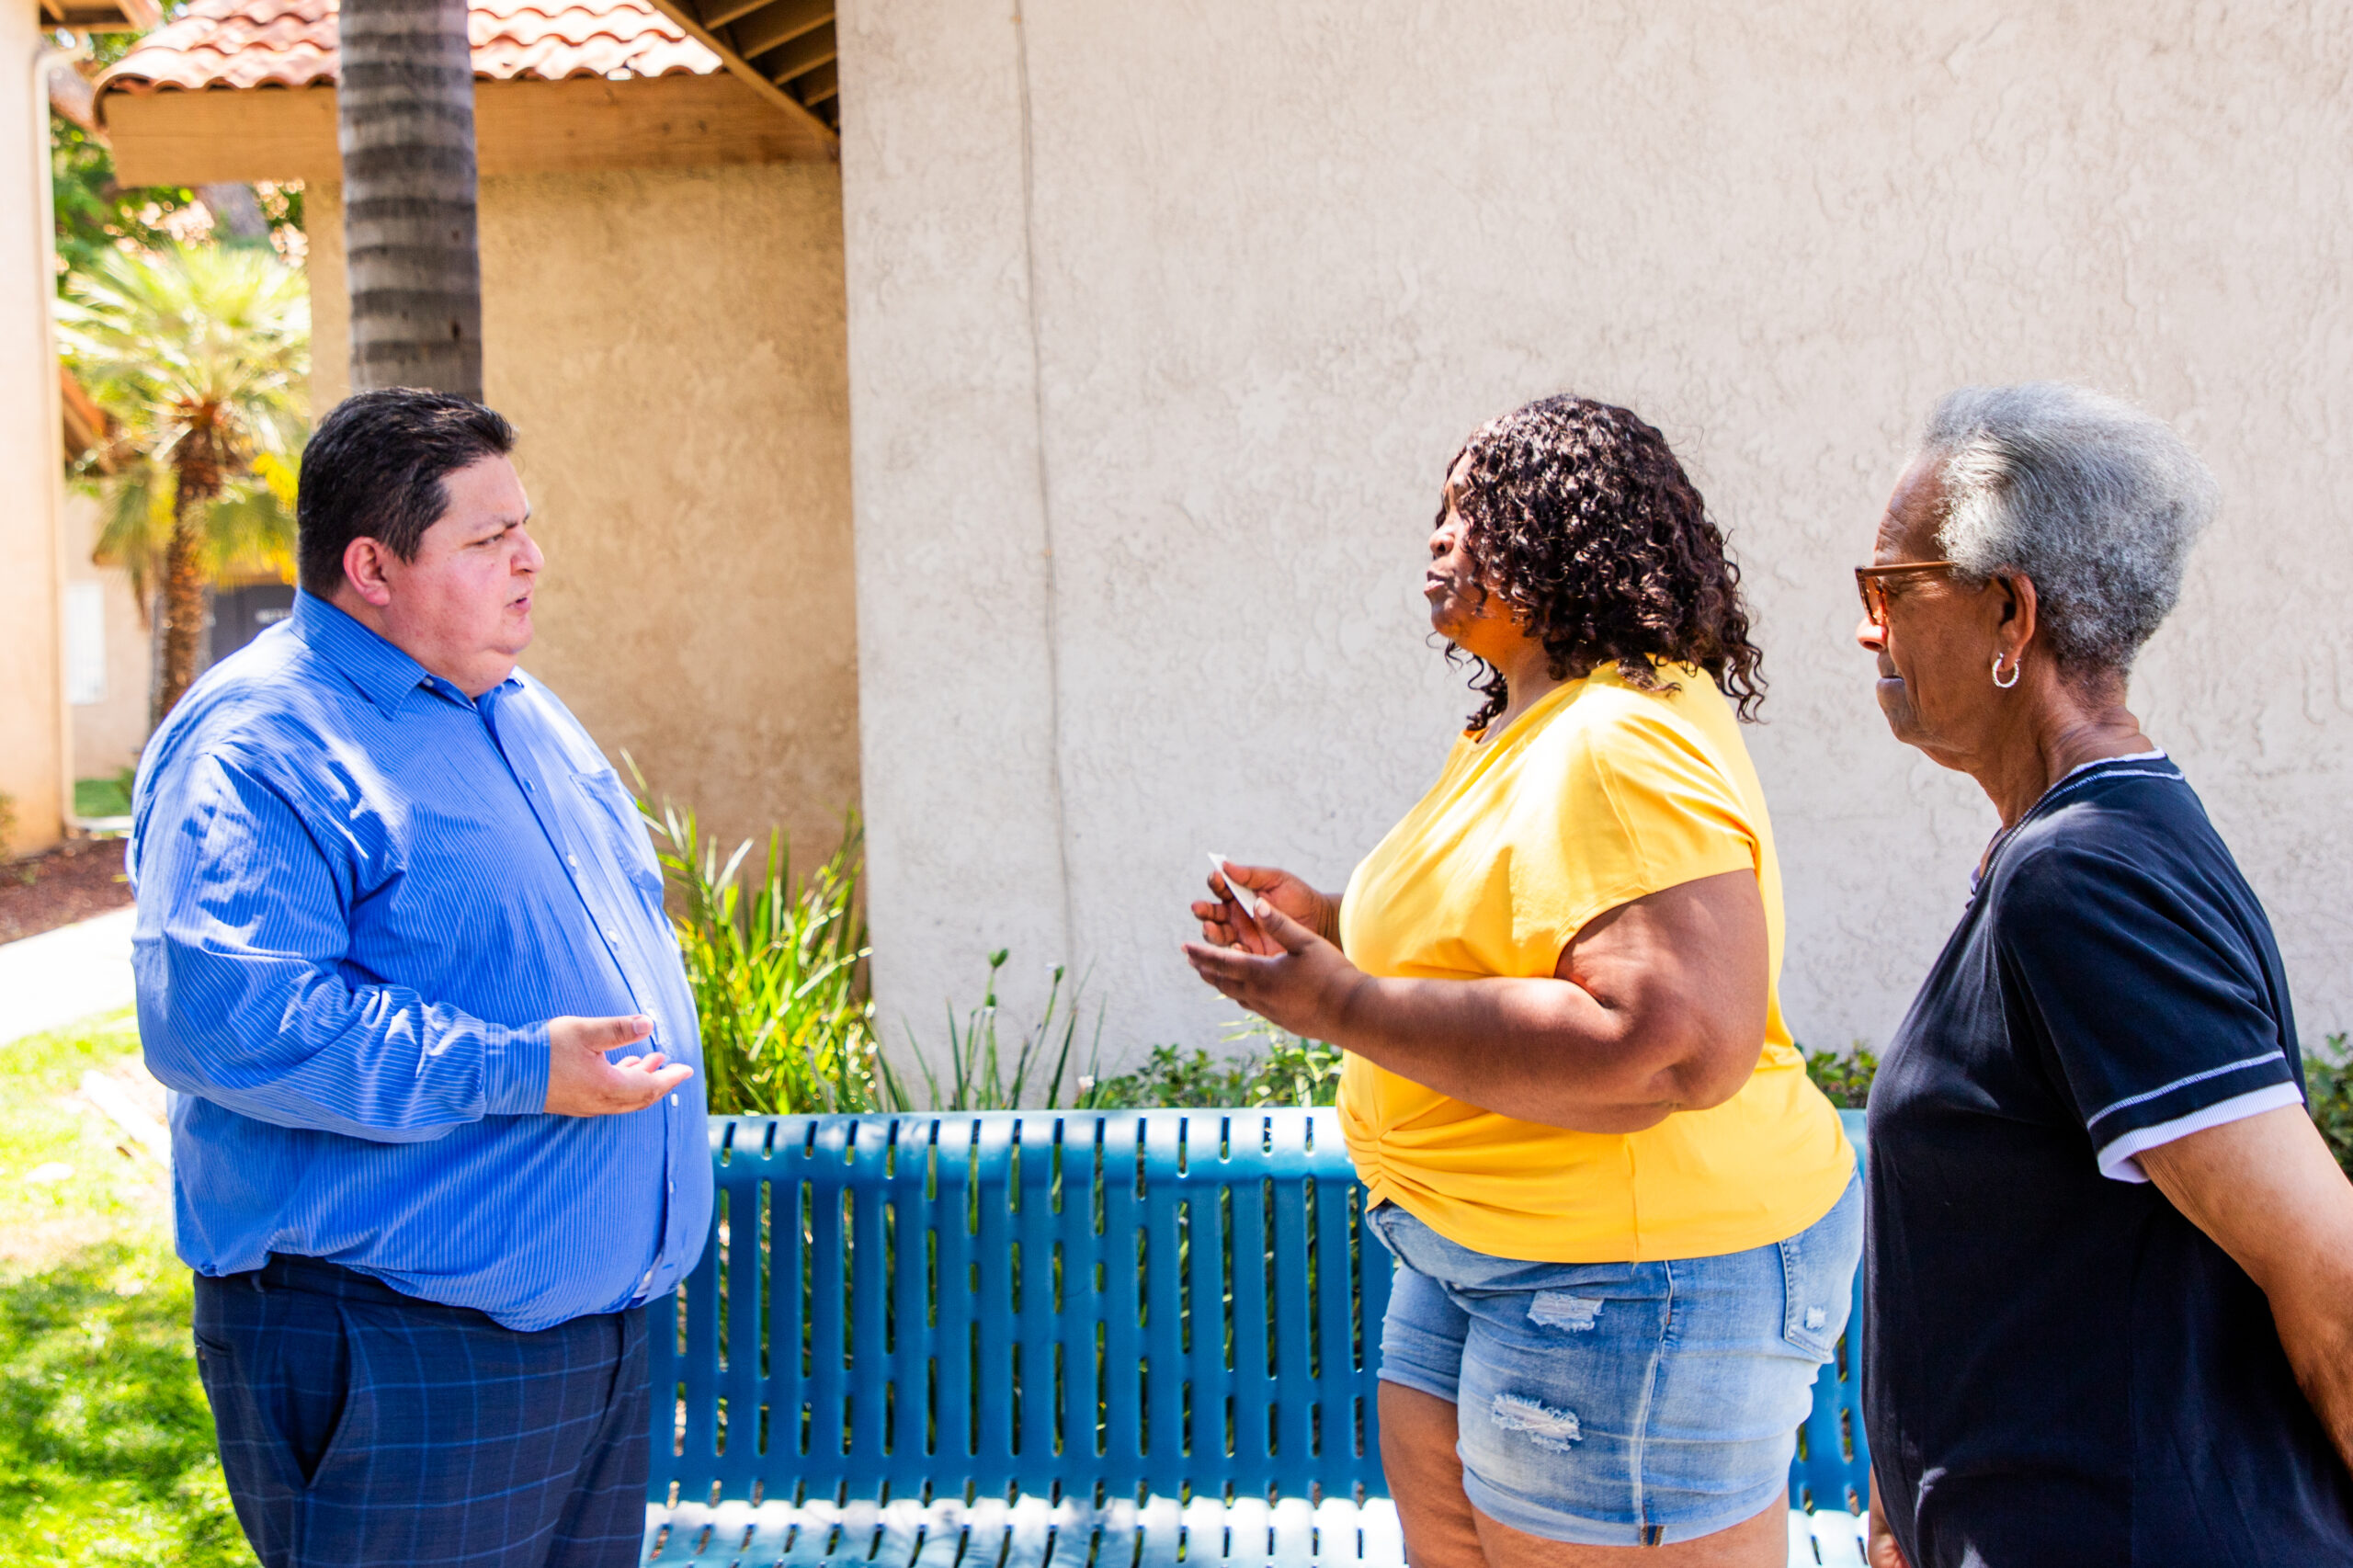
[{"x": 1045, "y": 490}]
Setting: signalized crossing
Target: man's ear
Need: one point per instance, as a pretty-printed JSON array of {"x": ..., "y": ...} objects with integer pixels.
[{"x": 365, "y": 562}]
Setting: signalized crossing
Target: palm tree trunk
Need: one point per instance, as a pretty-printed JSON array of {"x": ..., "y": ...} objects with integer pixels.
[
  {"x": 406, "y": 109},
  {"x": 183, "y": 595}
]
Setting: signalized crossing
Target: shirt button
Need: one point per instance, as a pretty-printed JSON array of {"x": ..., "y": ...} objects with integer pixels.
[
  {"x": 573, "y": 861},
  {"x": 673, "y": 1099},
  {"x": 611, "y": 936}
]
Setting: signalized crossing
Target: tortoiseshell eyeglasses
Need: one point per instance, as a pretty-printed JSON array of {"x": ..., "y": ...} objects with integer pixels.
[{"x": 1867, "y": 584}]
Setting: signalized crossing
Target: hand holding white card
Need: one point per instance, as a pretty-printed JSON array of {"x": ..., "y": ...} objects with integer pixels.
[{"x": 1240, "y": 896}]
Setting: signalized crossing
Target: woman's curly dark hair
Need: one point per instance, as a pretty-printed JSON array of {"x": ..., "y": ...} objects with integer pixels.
[{"x": 1577, "y": 514}]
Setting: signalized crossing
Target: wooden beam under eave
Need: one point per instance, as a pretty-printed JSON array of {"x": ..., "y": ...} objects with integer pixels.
[
  {"x": 250, "y": 133},
  {"x": 101, "y": 16},
  {"x": 719, "y": 13},
  {"x": 803, "y": 54},
  {"x": 824, "y": 82},
  {"x": 584, "y": 124},
  {"x": 682, "y": 12},
  {"x": 665, "y": 122},
  {"x": 781, "y": 21}
]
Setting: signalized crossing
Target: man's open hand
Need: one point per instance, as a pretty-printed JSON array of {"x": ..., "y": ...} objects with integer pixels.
[{"x": 582, "y": 1083}]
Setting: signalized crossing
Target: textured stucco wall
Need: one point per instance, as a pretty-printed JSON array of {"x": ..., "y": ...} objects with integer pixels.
[
  {"x": 669, "y": 344},
  {"x": 110, "y": 734},
  {"x": 32, "y": 709},
  {"x": 1200, "y": 298}
]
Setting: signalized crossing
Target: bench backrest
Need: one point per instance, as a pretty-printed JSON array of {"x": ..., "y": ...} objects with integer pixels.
[
  {"x": 1096, "y": 1303},
  {"x": 1079, "y": 1304}
]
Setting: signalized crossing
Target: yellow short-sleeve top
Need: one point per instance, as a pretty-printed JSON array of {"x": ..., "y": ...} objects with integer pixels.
[{"x": 1598, "y": 794}]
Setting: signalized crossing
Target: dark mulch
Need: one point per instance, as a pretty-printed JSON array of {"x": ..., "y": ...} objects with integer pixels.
[{"x": 70, "y": 884}]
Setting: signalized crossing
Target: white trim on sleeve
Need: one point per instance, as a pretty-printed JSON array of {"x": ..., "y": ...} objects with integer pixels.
[
  {"x": 2259, "y": 1059},
  {"x": 2118, "y": 1161}
]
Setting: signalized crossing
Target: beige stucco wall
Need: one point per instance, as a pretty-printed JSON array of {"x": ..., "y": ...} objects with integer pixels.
[
  {"x": 109, "y": 733},
  {"x": 32, "y": 708},
  {"x": 669, "y": 344},
  {"x": 1164, "y": 322}
]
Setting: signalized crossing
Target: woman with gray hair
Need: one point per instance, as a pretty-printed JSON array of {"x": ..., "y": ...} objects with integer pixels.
[{"x": 2109, "y": 1277}]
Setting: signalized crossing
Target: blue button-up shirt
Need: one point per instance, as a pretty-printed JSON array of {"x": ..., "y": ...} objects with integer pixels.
[{"x": 361, "y": 897}]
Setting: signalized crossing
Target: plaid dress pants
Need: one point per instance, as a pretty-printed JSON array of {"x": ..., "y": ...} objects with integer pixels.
[{"x": 360, "y": 1427}]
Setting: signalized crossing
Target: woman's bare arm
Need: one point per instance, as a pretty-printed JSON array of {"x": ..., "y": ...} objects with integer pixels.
[
  {"x": 2268, "y": 1192},
  {"x": 1880, "y": 1549},
  {"x": 1656, "y": 1006}
]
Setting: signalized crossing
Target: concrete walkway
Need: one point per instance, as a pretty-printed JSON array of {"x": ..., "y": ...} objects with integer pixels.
[{"x": 63, "y": 976}]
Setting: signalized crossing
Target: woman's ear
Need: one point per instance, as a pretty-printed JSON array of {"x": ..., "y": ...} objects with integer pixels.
[{"x": 2018, "y": 609}]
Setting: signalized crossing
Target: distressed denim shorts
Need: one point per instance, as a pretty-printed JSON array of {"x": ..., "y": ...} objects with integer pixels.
[{"x": 1620, "y": 1404}]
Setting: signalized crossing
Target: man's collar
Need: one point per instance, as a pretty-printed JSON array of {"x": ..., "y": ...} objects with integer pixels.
[{"x": 388, "y": 677}]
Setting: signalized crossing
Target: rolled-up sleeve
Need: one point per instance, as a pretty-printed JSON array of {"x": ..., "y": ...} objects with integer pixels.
[{"x": 245, "y": 995}]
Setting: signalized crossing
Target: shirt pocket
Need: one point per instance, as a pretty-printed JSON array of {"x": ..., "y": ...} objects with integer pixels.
[{"x": 619, "y": 833}]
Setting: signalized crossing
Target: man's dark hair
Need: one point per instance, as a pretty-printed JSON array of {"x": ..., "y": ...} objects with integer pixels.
[{"x": 374, "y": 469}]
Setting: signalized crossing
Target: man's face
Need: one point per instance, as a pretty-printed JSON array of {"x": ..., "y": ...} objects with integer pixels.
[{"x": 462, "y": 608}]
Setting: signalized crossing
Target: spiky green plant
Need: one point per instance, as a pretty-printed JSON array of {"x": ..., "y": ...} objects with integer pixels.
[
  {"x": 778, "y": 970},
  {"x": 984, "y": 1074}
]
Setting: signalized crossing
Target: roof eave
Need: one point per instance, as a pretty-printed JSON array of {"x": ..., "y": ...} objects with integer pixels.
[
  {"x": 101, "y": 16},
  {"x": 721, "y": 40}
]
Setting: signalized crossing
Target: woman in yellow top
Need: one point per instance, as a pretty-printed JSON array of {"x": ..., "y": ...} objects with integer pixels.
[{"x": 1627, "y": 1222}]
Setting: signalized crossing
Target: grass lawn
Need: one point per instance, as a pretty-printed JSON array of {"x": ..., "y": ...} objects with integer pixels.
[
  {"x": 103, "y": 797},
  {"x": 106, "y": 1443}
]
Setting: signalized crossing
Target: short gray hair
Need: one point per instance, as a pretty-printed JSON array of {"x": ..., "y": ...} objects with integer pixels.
[{"x": 2095, "y": 500}]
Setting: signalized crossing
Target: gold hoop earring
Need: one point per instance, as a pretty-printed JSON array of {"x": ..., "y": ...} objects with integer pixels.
[{"x": 2016, "y": 670}]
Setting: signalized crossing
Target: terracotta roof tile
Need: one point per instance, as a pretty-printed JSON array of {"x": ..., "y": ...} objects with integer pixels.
[{"x": 292, "y": 43}]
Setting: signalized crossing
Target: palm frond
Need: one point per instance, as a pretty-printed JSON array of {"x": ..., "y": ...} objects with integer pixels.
[
  {"x": 252, "y": 534},
  {"x": 135, "y": 523},
  {"x": 199, "y": 353}
]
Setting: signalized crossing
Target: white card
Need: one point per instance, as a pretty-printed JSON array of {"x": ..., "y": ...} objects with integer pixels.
[{"x": 1243, "y": 897}]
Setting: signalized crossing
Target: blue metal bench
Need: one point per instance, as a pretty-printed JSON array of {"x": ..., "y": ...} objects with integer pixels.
[{"x": 1055, "y": 1340}]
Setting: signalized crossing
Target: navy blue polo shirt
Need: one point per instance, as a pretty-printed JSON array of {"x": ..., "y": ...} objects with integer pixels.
[{"x": 2060, "y": 1368}]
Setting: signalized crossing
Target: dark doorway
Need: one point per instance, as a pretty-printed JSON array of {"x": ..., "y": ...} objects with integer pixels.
[{"x": 239, "y": 615}]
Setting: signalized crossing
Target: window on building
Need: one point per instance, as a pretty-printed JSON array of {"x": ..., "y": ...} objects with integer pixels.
[{"x": 86, "y": 643}]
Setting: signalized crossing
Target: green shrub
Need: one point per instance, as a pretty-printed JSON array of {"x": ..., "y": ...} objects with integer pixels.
[
  {"x": 1291, "y": 1071},
  {"x": 779, "y": 971},
  {"x": 1846, "y": 1079},
  {"x": 2328, "y": 1084}
]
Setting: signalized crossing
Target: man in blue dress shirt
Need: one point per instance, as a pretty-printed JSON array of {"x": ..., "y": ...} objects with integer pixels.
[{"x": 402, "y": 953}]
